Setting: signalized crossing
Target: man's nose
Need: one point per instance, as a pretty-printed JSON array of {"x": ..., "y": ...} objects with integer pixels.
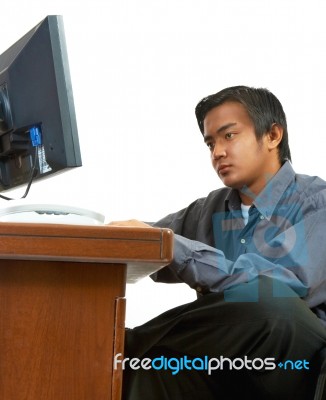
[{"x": 218, "y": 151}]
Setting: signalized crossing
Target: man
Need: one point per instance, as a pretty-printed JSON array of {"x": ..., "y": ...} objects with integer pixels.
[{"x": 254, "y": 253}]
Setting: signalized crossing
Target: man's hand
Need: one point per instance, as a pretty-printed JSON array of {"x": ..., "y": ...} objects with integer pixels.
[{"x": 130, "y": 222}]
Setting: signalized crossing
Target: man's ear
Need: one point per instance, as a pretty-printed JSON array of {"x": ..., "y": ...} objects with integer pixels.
[{"x": 275, "y": 136}]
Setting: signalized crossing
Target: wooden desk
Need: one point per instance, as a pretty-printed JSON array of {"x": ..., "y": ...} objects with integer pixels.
[{"x": 62, "y": 306}]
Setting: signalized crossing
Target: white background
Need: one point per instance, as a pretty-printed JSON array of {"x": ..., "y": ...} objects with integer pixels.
[{"x": 138, "y": 69}]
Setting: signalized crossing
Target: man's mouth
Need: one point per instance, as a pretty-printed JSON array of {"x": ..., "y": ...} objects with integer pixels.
[{"x": 223, "y": 168}]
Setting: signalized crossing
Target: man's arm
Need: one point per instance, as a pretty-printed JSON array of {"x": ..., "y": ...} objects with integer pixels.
[{"x": 206, "y": 269}]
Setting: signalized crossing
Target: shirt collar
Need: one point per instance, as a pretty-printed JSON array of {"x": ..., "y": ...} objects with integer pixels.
[{"x": 270, "y": 196}]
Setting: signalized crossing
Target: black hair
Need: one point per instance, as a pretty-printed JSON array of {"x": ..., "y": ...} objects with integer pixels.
[{"x": 262, "y": 106}]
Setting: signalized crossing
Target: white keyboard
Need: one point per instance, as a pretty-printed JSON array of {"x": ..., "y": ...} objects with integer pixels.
[{"x": 21, "y": 211}]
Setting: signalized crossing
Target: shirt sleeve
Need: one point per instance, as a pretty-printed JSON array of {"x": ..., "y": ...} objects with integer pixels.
[{"x": 206, "y": 269}]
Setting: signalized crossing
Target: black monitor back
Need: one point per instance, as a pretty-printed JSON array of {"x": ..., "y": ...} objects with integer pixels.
[{"x": 36, "y": 96}]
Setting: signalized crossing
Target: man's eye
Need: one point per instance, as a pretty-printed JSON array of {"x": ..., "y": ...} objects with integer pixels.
[
  {"x": 210, "y": 146},
  {"x": 229, "y": 135}
]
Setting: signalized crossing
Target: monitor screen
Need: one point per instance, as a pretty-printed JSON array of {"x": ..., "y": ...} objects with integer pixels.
[{"x": 38, "y": 129}]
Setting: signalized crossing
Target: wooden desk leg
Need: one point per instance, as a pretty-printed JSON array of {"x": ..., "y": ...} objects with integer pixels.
[
  {"x": 119, "y": 335},
  {"x": 57, "y": 329}
]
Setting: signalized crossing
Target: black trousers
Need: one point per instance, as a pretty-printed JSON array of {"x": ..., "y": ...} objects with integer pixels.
[{"x": 281, "y": 329}]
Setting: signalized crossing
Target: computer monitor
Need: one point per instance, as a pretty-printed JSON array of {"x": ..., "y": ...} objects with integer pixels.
[{"x": 38, "y": 129}]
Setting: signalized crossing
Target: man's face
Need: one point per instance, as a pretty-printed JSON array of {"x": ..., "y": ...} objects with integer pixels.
[{"x": 239, "y": 159}]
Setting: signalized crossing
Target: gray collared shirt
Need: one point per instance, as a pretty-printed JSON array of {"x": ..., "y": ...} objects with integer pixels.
[{"x": 285, "y": 238}]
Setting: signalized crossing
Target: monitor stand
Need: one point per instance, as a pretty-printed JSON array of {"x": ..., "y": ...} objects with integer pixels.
[{"x": 49, "y": 213}]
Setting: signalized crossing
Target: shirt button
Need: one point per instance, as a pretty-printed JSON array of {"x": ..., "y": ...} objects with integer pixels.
[
  {"x": 198, "y": 289},
  {"x": 262, "y": 217},
  {"x": 243, "y": 241}
]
